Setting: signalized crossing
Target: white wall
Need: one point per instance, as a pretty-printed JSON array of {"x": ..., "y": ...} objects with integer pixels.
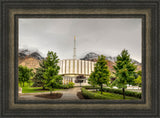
[{"x": 72, "y": 66}]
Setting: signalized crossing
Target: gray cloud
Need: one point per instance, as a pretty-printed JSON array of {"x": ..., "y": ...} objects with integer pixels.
[{"x": 103, "y": 36}]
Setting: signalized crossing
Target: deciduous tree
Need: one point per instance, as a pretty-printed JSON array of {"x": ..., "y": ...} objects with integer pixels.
[
  {"x": 92, "y": 80},
  {"x": 101, "y": 72},
  {"x": 124, "y": 71},
  {"x": 138, "y": 81},
  {"x": 24, "y": 74}
]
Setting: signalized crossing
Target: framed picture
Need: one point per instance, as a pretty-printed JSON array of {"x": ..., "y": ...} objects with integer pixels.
[{"x": 95, "y": 58}]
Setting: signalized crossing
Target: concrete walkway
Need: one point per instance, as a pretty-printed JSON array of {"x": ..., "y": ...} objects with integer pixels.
[{"x": 68, "y": 94}]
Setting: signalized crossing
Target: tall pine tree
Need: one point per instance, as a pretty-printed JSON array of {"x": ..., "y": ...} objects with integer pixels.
[
  {"x": 38, "y": 79},
  {"x": 92, "y": 80},
  {"x": 101, "y": 72},
  {"x": 51, "y": 77},
  {"x": 124, "y": 71}
]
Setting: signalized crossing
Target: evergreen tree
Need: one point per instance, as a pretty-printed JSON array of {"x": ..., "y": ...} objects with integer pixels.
[
  {"x": 38, "y": 79},
  {"x": 125, "y": 71},
  {"x": 138, "y": 81},
  {"x": 24, "y": 74},
  {"x": 101, "y": 72},
  {"x": 51, "y": 77},
  {"x": 91, "y": 79},
  {"x": 139, "y": 72}
]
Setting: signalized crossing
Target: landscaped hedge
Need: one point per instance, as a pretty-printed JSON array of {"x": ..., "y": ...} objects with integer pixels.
[
  {"x": 91, "y": 87},
  {"x": 90, "y": 95},
  {"x": 66, "y": 86},
  {"x": 117, "y": 91},
  {"x": 71, "y": 84},
  {"x": 63, "y": 86}
]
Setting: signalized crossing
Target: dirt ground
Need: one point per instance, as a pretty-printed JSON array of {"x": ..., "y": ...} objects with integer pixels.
[{"x": 50, "y": 96}]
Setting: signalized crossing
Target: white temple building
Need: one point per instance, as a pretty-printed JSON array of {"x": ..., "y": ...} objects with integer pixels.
[{"x": 71, "y": 68}]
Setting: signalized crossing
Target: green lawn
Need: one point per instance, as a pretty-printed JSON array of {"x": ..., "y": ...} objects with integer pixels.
[
  {"x": 35, "y": 90},
  {"x": 28, "y": 89},
  {"x": 113, "y": 96}
]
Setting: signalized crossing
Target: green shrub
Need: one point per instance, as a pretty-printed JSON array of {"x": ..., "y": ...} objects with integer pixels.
[
  {"x": 91, "y": 95},
  {"x": 36, "y": 84},
  {"x": 117, "y": 91},
  {"x": 91, "y": 87},
  {"x": 66, "y": 86},
  {"x": 106, "y": 95},
  {"x": 71, "y": 84}
]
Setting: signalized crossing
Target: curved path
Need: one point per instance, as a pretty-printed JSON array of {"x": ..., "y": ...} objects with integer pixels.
[{"x": 70, "y": 94}]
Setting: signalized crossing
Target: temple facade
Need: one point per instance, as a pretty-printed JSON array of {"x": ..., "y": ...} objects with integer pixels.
[{"x": 70, "y": 69}]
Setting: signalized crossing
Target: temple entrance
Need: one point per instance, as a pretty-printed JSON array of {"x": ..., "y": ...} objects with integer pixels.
[{"x": 80, "y": 79}]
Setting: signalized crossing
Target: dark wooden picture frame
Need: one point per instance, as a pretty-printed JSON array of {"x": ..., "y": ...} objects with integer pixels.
[{"x": 11, "y": 10}]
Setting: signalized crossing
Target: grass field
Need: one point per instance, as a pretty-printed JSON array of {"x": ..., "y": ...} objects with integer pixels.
[
  {"x": 28, "y": 89},
  {"x": 35, "y": 89}
]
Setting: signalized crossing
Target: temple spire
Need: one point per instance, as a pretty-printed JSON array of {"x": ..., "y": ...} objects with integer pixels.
[{"x": 74, "y": 49}]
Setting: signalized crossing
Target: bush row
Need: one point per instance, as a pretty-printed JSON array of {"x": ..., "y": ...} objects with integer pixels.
[
  {"x": 117, "y": 91},
  {"x": 67, "y": 86},
  {"x": 91, "y": 87},
  {"x": 90, "y": 95}
]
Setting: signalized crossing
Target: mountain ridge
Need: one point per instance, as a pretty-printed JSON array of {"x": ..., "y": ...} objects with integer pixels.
[
  {"x": 23, "y": 53},
  {"x": 92, "y": 56},
  {"x": 32, "y": 59}
]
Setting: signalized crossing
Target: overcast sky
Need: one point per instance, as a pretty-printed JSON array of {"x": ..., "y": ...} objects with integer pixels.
[{"x": 103, "y": 36}]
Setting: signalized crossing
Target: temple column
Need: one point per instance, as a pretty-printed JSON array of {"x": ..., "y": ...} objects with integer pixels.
[{"x": 73, "y": 80}]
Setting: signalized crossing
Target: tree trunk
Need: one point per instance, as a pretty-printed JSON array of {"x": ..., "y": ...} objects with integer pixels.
[
  {"x": 50, "y": 92},
  {"x": 43, "y": 87},
  {"x": 123, "y": 93},
  {"x": 101, "y": 88}
]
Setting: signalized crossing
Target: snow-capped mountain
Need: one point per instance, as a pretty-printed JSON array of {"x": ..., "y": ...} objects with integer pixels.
[
  {"x": 25, "y": 52},
  {"x": 94, "y": 56}
]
